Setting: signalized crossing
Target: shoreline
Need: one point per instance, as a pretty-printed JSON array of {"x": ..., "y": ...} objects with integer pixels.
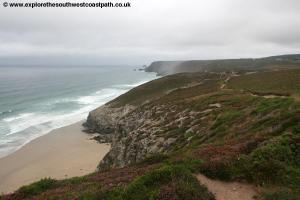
[{"x": 57, "y": 154}]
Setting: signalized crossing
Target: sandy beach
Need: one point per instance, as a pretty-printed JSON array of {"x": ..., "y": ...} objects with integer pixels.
[{"x": 63, "y": 153}]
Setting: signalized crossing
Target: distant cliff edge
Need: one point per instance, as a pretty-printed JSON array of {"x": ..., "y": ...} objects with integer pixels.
[{"x": 171, "y": 67}]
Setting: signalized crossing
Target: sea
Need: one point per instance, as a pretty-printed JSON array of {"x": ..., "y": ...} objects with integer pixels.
[{"x": 34, "y": 100}]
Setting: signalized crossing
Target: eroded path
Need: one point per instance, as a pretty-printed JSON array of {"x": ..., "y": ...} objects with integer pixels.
[{"x": 228, "y": 190}]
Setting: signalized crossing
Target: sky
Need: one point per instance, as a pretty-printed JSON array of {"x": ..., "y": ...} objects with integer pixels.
[{"x": 148, "y": 31}]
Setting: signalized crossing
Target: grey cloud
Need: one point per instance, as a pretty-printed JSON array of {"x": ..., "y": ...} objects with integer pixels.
[{"x": 150, "y": 30}]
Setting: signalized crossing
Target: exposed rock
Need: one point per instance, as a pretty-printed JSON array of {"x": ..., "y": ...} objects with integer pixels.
[
  {"x": 193, "y": 129},
  {"x": 169, "y": 142},
  {"x": 103, "y": 119},
  {"x": 103, "y": 138},
  {"x": 216, "y": 105}
]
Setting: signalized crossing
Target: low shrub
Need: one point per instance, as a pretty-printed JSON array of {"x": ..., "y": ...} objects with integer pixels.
[
  {"x": 275, "y": 162},
  {"x": 149, "y": 186},
  {"x": 38, "y": 187}
]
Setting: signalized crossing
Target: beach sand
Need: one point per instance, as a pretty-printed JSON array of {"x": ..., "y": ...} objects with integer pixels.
[{"x": 62, "y": 153}]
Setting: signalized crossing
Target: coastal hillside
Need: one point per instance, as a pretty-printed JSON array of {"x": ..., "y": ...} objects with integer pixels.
[
  {"x": 250, "y": 64},
  {"x": 173, "y": 136}
]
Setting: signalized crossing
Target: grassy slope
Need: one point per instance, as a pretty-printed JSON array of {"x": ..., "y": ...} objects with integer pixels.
[
  {"x": 285, "y": 82},
  {"x": 155, "y": 89},
  {"x": 227, "y": 134}
]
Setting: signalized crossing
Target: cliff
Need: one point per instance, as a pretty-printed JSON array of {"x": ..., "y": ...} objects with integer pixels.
[
  {"x": 134, "y": 123},
  {"x": 218, "y": 118}
]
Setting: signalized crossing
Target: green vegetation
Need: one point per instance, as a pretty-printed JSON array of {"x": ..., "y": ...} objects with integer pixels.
[
  {"x": 273, "y": 163},
  {"x": 157, "y": 88},
  {"x": 227, "y": 117},
  {"x": 46, "y": 184},
  {"x": 153, "y": 159},
  {"x": 277, "y": 163},
  {"x": 38, "y": 187},
  {"x": 150, "y": 186},
  {"x": 267, "y": 105},
  {"x": 282, "y": 194},
  {"x": 284, "y": 82}
]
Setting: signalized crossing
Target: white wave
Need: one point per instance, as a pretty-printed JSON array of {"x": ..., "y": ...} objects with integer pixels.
[
  {"x": 18, "y": 117},
  {"x": 132, "y": 85},
  {"x": 28, "y": 120},
  {"x": 101, "y": 96},
  {"x": 27, "y": 126}
]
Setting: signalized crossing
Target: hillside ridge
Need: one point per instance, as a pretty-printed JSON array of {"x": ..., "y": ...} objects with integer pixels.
[{"x": 242, "y": 64}]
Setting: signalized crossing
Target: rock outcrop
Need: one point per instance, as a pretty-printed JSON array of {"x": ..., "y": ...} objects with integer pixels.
[
  {"x": 104, "y": 119},
  {"x": 134, "y": 133}
]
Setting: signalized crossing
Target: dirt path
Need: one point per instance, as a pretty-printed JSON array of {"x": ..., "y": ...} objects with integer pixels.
[
  {"x": 228, "y": 191},
  {"x": 268, "y": 96},
  {"x": 223, "y": 85}
]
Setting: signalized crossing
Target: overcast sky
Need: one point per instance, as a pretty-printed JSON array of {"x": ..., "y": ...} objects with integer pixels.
[{"x": 149, "y": 30}]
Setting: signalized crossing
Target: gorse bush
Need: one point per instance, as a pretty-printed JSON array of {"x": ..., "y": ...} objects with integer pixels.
[
  {"x": 273, "y": 163},
  {"x": 284, "y": 148}
]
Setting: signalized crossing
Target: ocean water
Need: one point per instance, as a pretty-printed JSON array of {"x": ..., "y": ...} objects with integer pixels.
[{"x": 36, "y": 100}]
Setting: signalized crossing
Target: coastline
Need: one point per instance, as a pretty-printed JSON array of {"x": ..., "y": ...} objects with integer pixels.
[{"x": 57, "y": 154}]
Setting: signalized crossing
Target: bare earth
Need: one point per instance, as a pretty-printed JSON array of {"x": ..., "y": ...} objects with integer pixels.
[
  {"x": 63, "y": 153},
  {"x": 228, "y": 191}
]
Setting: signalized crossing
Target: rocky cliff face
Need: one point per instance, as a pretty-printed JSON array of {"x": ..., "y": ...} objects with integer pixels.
[
  {"x": 134, "y": 133},
  {"x": 105, "y": 118}
]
